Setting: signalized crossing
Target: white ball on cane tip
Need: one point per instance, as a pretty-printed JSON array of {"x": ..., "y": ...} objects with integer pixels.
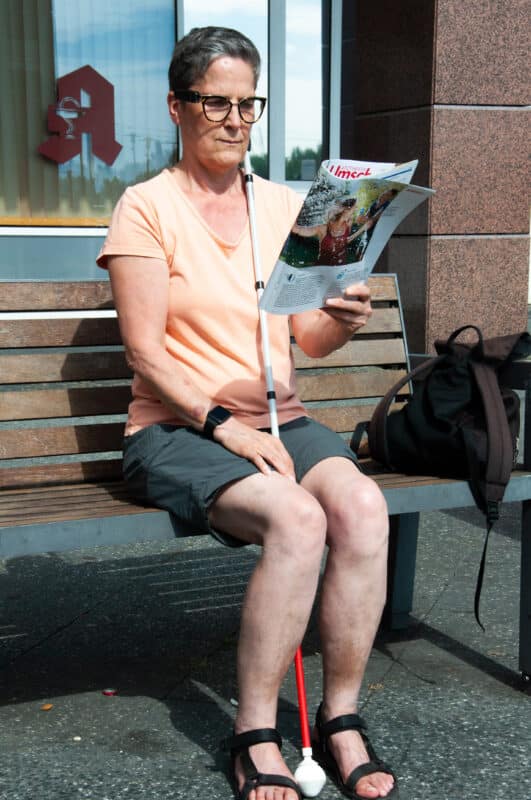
[{"x": 310, "y": 777}]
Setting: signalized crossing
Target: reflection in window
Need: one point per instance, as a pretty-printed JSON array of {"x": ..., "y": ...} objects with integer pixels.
[
  {"x": 304, "y": 88},
  {"x": 130, "y": 45},
  {"x": 249, "y": 17},
  {"x": 126, "y": 44}
]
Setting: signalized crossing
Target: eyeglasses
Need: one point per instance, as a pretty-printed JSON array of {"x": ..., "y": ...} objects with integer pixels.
[{"x": 217, "y": 108}]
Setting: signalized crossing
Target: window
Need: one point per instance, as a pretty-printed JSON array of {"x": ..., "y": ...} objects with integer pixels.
[
  {"x": 59, "y": 59},
  {"x": 108, "y": 61}
]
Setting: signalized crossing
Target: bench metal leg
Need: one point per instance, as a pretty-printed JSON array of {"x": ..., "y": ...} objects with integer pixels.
[
  {"x": 525, "y": 592},
  {"x": 401, "y": 570}
]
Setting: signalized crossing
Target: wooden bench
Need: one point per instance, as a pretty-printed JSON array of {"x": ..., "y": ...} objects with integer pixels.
[{"x": 64, "y": 390}]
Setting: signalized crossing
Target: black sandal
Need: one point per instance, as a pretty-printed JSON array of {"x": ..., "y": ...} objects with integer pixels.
[
  {"x": 323, "y": 755},
  {"x": 239, "y": 746}
]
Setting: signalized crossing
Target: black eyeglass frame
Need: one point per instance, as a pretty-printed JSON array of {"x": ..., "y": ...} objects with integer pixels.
[{"x": 191, "y": 96}]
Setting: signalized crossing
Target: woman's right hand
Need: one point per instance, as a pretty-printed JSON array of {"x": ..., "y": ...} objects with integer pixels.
[{"x": 263, "y": 449}]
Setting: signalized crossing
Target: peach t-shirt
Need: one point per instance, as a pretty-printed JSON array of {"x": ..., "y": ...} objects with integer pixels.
[{"x": 213, "y": 327}]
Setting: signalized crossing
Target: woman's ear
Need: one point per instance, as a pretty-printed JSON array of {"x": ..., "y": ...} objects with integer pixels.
[{"x": 173, "y": 108}]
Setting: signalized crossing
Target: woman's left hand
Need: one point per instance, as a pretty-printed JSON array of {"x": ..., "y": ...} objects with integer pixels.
[{"x": 353, "y": 309}]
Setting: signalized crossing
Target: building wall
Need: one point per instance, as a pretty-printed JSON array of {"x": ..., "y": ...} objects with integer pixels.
[{"x": 446, "y": 82}]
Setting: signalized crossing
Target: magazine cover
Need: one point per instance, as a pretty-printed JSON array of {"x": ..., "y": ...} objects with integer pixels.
[{"x": 348, "y": 216}]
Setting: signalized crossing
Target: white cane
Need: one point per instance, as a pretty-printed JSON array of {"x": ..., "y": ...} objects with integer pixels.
[{"x": 309, "y": 775}]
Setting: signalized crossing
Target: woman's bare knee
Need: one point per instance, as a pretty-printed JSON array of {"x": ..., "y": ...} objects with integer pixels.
[
  {"x": 359, "y": 521},
  {"x": 296, "y": 527}
]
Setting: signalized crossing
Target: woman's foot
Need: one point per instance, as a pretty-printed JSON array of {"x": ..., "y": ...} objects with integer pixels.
[
  {"x": 350, "y": 751},
  {"x": 268, "y": 760},
  {"x": 259, "y": 770}
]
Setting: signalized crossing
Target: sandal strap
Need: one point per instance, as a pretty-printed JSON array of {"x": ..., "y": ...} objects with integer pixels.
[
  {"x": 346, "y": 722},
  {"x": 366, "y": 769},
  {"x": 242, "y": 741},
  {"x": 264, "y": 779}
]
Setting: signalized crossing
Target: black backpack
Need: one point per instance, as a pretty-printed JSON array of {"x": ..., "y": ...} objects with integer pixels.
[{"x": 459, "y": 422}]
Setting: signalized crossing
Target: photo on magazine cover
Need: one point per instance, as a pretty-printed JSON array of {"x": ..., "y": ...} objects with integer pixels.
[{"x": 335, "y": 228}]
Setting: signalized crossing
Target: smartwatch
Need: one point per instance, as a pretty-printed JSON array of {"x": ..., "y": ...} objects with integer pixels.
[{"x": 215, "y": 417}]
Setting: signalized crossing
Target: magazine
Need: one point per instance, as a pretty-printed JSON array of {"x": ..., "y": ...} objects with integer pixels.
[{"x": 348, "y": 216}]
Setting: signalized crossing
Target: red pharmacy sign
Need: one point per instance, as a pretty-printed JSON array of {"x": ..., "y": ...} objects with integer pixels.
[{"x": 68, "y": 118}]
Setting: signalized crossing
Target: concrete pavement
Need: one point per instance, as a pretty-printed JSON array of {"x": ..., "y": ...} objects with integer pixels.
[{"x": 158, "y": 625}]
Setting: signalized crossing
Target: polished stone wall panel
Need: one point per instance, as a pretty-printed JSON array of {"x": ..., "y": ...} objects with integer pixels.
[
  {"x": 407, "y": 256},
  {"x": 446, "y": 282},
  {"x": 482, "y": 52},
  {"x": 395, "y": 47},
  {"x": 399, "y": 136},
  {"x": 477, "y": 280},
  {"x": 479, "y": 170}
]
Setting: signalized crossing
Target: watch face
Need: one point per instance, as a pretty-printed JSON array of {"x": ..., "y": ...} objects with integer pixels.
[{"x": 218, "y": 415}]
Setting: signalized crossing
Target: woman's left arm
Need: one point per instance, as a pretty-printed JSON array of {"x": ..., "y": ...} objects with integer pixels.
[{"x": 323, "y": 330}]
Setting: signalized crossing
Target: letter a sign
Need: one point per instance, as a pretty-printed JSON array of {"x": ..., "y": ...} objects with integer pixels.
[{"x": 67, "y": 118}]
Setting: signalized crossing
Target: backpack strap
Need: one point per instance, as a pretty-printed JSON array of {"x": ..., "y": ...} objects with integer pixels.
[
  {"x": 489, "y": 490},
  {"x": 500, "y": 445},
  {"x": 377, "y": 431}
]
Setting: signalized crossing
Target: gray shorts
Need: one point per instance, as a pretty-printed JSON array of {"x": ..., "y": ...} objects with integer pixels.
[{"x": 182, "y": 471}]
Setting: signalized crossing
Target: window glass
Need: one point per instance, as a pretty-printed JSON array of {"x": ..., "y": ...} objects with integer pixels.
[
  {"x": 304, "y": 88},
  {"x": 88, "y": 83},
  {"x": 249, "y": 17}
]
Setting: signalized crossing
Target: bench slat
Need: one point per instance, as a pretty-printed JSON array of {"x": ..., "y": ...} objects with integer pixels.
[
  {"x": 59, "y": 332},
  {"x": 76, "y": 332},
  {"x": 334, "y": 386},
  {"x": 81, "y": 504},
  {"x": 50, "y": 474},
  {"x": 54, "y": 295},
  {"x": 81, "y": 439},
  {"x": 48, "y": 403},
  {"x": 101, "y": 400},
  {"x": 342, "y": 419},
  {"x": 109, "y": 500},
  {"x": 87, "y": 295},
  {"x": 52, "y": 367},
  {"x": 357, "y": 353},
  {"x": 67, "y": 440}
]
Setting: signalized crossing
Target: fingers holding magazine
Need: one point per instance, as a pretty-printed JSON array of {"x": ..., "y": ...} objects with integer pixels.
[{"x": 353, "y": 308}]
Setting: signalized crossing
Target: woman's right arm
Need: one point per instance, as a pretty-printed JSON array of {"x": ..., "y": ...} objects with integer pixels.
[{"x": 140, "y": 288}]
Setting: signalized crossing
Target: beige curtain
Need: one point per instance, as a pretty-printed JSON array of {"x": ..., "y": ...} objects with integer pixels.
[{"x": 29, "y": 184}]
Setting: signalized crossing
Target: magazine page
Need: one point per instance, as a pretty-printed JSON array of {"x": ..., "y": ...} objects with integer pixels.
[{"x": 348, "y": 216}]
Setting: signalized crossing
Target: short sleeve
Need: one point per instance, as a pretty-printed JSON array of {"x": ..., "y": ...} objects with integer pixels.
[{"x": 134, "y": 229}]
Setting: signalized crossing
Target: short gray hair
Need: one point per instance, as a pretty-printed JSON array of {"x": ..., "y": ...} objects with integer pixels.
[{"x": 194, "y": 53}]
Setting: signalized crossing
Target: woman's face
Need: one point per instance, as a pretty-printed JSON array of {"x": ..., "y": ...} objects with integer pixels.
[{"x": 215, "y": 146}]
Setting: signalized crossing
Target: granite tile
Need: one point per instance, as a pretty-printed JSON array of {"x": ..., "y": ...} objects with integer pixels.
[
  {"x": 479, "y": 171},
  {"x": 396, "y": 136},
  {"x": 348, "y": 129},
  {"x": 399, "y": 136},
  {"x": 446, "y": 282},
  {"x": 482, "y": 52},
  {"x": 395, "y": 45},
  {"x": 479, "y": 281},
  {"x": 408, "y": 257}
]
